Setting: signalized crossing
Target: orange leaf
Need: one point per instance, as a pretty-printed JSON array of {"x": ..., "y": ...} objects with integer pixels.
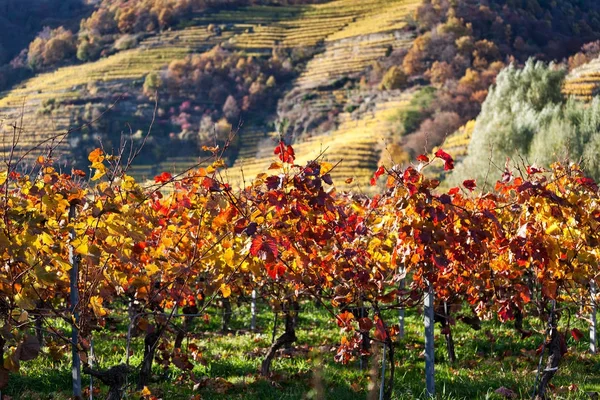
[{"x": 96, "y": 156}]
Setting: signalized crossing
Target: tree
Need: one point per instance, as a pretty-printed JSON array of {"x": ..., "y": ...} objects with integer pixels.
[
  {"x": 51, "y": 47},
  {"x": 152, "y": 83},
  {"x": 231, "y": 109},
  {"x": 394, "y": 78},
  {"x": 439, "y": 73},
  {"x": 521, "y": 112}
]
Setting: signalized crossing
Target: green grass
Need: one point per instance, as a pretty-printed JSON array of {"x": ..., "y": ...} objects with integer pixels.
[{"x": 483, "y": 365}]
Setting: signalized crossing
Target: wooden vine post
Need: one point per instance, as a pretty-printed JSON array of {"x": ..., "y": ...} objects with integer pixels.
[
  {"x": 74, "y": 297},
  {"x": 593, "y": 321},
  {"x": 253, "y": 311},
  {"x": 429, "y": 345},
  {"x": 401, "y": 286}
]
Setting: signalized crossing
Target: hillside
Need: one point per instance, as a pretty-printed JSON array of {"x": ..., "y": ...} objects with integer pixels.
[
  {"x": 244, "y": 73},
  {"x": 583, "y": 82},
  {"x": 332, "y": 42}
]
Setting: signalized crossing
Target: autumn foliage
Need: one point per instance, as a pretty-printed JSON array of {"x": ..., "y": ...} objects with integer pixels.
[{"x": 290, "y": 235}]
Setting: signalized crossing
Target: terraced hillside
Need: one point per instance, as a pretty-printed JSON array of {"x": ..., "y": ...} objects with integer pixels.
[
  {"x": 333, "y": 41},
  {"x": 50, "y": 103},
  {"x": 354, "y": 147},
  {"x": 331, "y": 78},
  {"x": 584, "y": 82}
]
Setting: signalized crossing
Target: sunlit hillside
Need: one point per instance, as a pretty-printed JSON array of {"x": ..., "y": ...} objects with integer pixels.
[
  {"x": 342, "y": 40},
  {"x": 354, "y": 148},
  {"x": 584, "y": 82}
]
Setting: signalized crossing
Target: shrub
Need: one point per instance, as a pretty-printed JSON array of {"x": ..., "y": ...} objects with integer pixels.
[
  {"x": 152, "y": 83},
  {"x": 231, "y": 109},
  {"x": 51, "y": 47},
  {"x": 525, "y": 115},
  {"x": 394, "y": 78},
  {"x": 126, "y": 42}
]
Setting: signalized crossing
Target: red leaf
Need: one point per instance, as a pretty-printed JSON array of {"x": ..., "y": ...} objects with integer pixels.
[
  {"x": 365, "y": 324},
  {"x": 211, "y": 184},
  {"x": 138, "y": 248},
  {"x": 162, "y": 178},
  {"x": 275, "y": 270},
  {"x": 286, "y": 153},
  {"x": 577, "y": 334},
  {"x": 78, "y": 172},
  {"x": 531, "y": 169},
  {"x": 448, "y": 161},
  {"x": 343, "y": 320},
  {"x": 380, "y": 171},
  {"x": 454, "y": 191},
  {"x": 423, "y": 158},
  {"x": 380, "y": 332},
  {"x": 263, "y": 247},
  {"x": 549, "y": 289},
  {"x": 257, "y": 244},
  {"x": 470, "y": 184}
]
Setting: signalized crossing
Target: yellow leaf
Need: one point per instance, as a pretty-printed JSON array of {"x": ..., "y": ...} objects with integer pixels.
[
  {"x": 128, "y": 183},
  {"x": 46, "y": 239},
  {"x": 228, "y": 256},
  {"x": 552, "y": 229},
  {"x": 23, "y": 317},
  {"x": 3, "y": 177},
  {"x": 96, "y": 305},
  {"x": 100, "y": 170},
  {"x": 24, "y": 302},
  {"x": 225, "y": 290},
  {"x": 151, "y": 269},
  {"x": 11, "y": 364},
  {"x": 146, "y": 391},
  {"x": 326, "y": 167},
  {"x": 81, "y": 246},
  {"x": 99, "y": 174}
]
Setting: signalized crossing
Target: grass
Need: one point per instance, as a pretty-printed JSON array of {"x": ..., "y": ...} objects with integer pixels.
[{"x": 228, "y": 365}]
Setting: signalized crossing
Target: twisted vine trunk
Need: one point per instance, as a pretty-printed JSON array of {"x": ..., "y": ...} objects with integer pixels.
[
  {"x": 4, "y": 374},
  {"x": 390, "y": 385},
  {"x": 115, "y": 378},
  {"x": 365, "y": 343},
  {"x": 187, "y": 322},
  {"x": 226, "y": 314},
  {"x": 39, "y": 328},
  {"x": 286, "y": 339},
  {"x": 556, "y": 349},
  {"x": 295, "y": 310},
  {"x": 448, "y": 335},
  {"x": 150, "y": 342}
]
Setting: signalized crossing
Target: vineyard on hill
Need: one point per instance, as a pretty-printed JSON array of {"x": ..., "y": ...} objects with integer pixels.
[{"x": 327, "y": 42}]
